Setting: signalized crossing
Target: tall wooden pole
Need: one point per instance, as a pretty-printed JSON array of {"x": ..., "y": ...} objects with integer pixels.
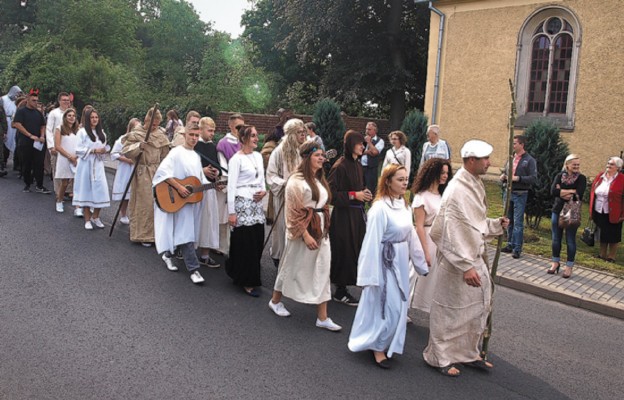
[
  {"x": 147, "y": 135},
  {"x": 512, "y": 120}
]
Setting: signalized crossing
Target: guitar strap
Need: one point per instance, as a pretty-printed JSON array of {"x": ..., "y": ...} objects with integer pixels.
[{"x": 211, "y": 162}]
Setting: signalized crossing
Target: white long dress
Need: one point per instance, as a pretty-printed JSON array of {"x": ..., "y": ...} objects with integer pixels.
[
  {"x": 90, "y": 185},
  {"x": 423, "y": 293},
  {"x": 380, "y": 318},
  {"x": 124, "y": 170},
  {"x": 63, "y": 166},
  {"x": 173, "y": 229},
  {"x": 303, "y": 274}
]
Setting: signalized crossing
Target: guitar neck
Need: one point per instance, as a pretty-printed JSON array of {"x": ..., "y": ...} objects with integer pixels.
[{"x": 207, "y": 186}]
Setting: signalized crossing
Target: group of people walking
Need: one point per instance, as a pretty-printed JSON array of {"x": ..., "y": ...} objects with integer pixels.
[{"x": 430, "y": 255}]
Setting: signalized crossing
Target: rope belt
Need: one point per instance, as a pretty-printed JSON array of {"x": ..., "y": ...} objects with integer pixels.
[{"x": 387, "y": 255}]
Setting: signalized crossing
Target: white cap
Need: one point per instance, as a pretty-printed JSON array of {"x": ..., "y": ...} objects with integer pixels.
[{"x": 476, "y": 148}]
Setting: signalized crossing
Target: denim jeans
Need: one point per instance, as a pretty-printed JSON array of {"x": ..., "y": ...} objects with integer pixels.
[
  {"x": 515, "y": 232},
  {"x": 557, "y": 234},
  {"x": 189, "y": 255}
]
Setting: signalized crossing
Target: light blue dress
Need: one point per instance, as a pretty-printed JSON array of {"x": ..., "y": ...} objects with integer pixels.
[
  {"x": 90, "y": 185},
  {"x": 383, "y": 272}
]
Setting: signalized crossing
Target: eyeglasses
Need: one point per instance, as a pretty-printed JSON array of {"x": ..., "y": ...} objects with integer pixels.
[{"x": 610, "y": 163}]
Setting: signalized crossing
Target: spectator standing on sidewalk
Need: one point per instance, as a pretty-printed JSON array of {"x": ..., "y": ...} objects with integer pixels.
[
  {"x": 54, "y": 121},
  {"x": 524, "y": 177},
  {"x": 374, "y": 145}
]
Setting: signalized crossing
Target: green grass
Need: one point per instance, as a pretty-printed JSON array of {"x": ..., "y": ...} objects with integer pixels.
[{"x": 538, "y": 241}]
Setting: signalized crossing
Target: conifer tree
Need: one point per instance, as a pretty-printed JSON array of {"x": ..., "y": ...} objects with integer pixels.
[
  {"x": 329, "y": 124},
  {"x": 545, "y": 144},
  {"x": 415, "y": 128}
]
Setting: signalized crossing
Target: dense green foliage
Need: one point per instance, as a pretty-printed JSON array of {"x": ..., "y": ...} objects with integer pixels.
[
  {"x": 368, "y": 55},
  {"x": 329, "y": 125},
  {"x": 545, "y": 144},
  {"x": 415, "y": 127},
  {"x": 122, "y": 56}
]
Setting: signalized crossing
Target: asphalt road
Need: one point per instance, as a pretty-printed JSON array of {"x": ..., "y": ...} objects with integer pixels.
[{"x": 85, "y": 316}]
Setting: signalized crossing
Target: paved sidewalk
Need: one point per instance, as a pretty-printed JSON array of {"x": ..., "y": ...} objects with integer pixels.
[{"x": 593, "y": 290}]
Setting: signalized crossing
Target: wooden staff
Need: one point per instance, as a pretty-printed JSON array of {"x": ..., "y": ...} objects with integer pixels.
[
  {"x": 512, "y": 120},
  {"x": 147, "y": 135}
]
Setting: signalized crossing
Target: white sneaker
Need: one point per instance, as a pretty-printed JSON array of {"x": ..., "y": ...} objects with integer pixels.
[
  {"x": 78, "y": 212},
  {"x": 59, "y": 207},
  {"x": 196, "y": 277},
  {"x": 97, "y": 222},
  {"x": 88, "y": 226},
  {"x": 279, "y": 309},
  {"x": 169, "y": 262},
  {"x": 328, "y": 324},
  {"x": 124, "y": 220},
  {"x": 146, "y": 244}
]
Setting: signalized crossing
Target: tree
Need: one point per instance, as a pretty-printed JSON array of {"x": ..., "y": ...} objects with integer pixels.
[
  {"x": 544, "y": 143},
  {"x": 415, "y": 128},
  {"x": 369, "y": 49},
  {"x": 329, "y": 124}
]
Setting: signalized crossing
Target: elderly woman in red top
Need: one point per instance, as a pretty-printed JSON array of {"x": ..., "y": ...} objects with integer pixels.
[{"x": 606, "y": 204}]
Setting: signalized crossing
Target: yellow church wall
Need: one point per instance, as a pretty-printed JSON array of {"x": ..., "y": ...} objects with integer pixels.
[{"x": 479, "y": 57}]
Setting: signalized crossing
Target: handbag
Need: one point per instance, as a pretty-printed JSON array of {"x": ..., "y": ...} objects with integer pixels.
[
  {"x": 588, "y": 235},
  {"x": 570, "y": 215}
]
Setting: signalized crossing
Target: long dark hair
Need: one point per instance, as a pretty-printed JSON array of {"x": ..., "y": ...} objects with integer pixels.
[
  {"x": 98, "y": 128},
  {"x": 305, "y": 168},
  {"x": 67, "y": 129},
  {"x": 429, "y": 173}
]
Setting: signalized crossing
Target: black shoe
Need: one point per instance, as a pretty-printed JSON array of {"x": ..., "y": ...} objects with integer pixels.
[
  {"x": 42, "y": 190},
  {"x": 507, "y": 249},
  {"x": 347, "y": 299},
  {"x": 26, "y": 189},
  {"x": 2, "y": 173},
  {"x": 516, "y": 254}
]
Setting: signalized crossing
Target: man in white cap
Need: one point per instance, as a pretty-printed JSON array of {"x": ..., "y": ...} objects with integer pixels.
[{"x": 463, "y": 289}]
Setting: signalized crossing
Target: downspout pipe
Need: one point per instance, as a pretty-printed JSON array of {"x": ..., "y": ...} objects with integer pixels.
[{"x": 436, "y": 85}]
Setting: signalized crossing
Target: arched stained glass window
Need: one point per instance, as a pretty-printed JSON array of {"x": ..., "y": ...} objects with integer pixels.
[{"x": 547, "y": 65}]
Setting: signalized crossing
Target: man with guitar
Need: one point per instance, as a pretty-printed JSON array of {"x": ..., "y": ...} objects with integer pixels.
[{"x": 180, "y": 228}]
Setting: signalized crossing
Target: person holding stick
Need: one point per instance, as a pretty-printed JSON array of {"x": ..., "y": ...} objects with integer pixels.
[
  {"x": 147, "y": 156},
  {"x": 463, "y": 290}
]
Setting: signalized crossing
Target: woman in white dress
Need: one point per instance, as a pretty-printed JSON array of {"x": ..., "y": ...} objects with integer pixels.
[
  {"x": 398, "y": 153},
  {"x": 90, "y": 186},
  {"x": 428, "y": 188},
  {"x": 65, "y": 141},
  {"x": 245, "y": 191},
  {"x": 383, "y": 270},
  {"x": 122, "y": 175},
  {"x": 304, "y": 268}
]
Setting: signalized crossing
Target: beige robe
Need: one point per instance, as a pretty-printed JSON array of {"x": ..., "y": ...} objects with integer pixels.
[
  {"x": 277, "y": 174},
  {"x": 458, "y": 311},
  {"x": 141, "y": 205}
]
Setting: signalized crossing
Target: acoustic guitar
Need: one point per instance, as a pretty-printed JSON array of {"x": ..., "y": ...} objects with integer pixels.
[{"x": 169, "y": 200}]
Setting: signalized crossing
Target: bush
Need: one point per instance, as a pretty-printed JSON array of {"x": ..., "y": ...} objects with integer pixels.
[
  {"x": 544, "y": 143},
  {"x": 329, "y": 125},
  {"x": 415, "y": 127}
]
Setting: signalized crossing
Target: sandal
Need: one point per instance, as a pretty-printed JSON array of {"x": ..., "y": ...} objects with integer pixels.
[
  {"x": 446, "y": 371},
  {"x": 480, "y": 364}
]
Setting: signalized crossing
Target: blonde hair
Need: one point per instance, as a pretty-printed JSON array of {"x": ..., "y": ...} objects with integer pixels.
[
  {"x": 383, "y": 185},
  {"x": 206, "y": 122},
  {"x": 569, "y": 158},
  {"x": 290, "y": 147}
]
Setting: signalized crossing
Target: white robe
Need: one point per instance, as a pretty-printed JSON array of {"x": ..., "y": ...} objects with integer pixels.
[
  {"x": 90, "y": 185},
  {"x": 122, "y": 175},
  {"x": 173, "y": 229},
  {"x": 458, "y": 311},
  {"x": 9, "y": 111},
  {"x": 303, "y": 274},
  {"x": 388, "y": 221}
]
